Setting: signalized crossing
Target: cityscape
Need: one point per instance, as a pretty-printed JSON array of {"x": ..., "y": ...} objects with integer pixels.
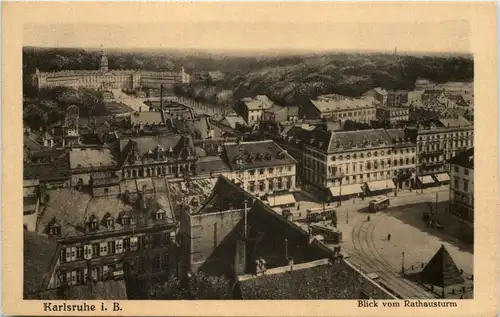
[{"x": 171, "y": 175}]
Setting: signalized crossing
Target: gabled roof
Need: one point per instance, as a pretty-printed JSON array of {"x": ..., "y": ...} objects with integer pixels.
[{"x": 442, "y": 270}]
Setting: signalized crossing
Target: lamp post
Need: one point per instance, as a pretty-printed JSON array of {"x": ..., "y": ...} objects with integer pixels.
[{"x": 403, "y": 263}]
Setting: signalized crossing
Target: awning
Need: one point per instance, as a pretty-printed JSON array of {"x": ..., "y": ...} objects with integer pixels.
[
  {"x": 381, "y": 185},
  {"x": 343, "y": 190},
  {"x": 427, "y": 179},
  {"x": 442, "y": 177},
  {"x": 279, "y": 200}
]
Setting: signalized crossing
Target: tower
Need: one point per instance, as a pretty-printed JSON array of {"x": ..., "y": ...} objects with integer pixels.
[
  {"x": 103, "y": 63},
  {"x": 71, "y": 133}
]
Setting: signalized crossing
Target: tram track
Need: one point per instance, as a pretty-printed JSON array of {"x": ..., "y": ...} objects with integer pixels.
[{"x": 373, "y": 261}]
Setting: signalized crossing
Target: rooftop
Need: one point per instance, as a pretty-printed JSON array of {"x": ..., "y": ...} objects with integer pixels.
[
  {"x": 73, "y": 210},
  {"x": 190, "y": 193},
  {"x": 464, "y": 159},
  {"x": 146, "y": 117},
  {"x": 346, "y": 104},
  {"x": 39, "y": 255},
  {"x": 232, "y": 120},
  {"x": 209, "y": 164},
  {"x": 91, "y": 157},
  {"x": 317, "y": 280},
  {"x": 256, "y": 154}
]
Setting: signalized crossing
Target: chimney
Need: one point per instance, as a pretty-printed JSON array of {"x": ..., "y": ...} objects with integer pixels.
[{"x": 240, "y": 258}]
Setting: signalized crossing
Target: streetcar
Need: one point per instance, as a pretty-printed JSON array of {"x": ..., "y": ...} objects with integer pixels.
[{"x": 379, "y": 204}]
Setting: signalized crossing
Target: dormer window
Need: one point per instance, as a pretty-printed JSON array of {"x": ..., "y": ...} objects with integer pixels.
[
  {"x": 54, "y": 227},
  {"x": 126, "y": 220},
  {"x": 268, "y": 156},
  {"x": 110, "y": 222},
  {"x": 160, "y": 214}
]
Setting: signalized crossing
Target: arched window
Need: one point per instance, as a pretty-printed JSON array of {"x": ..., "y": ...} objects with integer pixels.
[
  {"x": 395, "y": 163},
  {"x": 407, "y": 161}
]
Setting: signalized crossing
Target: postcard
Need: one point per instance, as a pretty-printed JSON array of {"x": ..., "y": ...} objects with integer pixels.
[{"x": 237, "y": 159}]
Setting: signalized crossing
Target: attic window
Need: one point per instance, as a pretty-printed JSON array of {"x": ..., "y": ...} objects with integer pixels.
[
  {"x": 110, "y": 222},
  {"x": 94, "y": 224},
  {"x": 160, "y": 214},
  {"x": 125, "y": 220}
]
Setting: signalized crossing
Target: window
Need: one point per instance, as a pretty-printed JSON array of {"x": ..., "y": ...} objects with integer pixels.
[
  {"x": 95, "y": 250},
  {"x": 271, "y": 184},
  {"x": 62, "y": 256},
  {"x": 261, "y": 171},
  {"x": 289, "y": 168},
  {"x": 111, "y": 247},
  {"x": 368, "y": 165},
  {"x": 466, "y": 171},
  {"x": 126, "y": 244},
  {"x": 251, "y": 172},
  {"x": 251, "y": 186},
  {"x": 457, "y": 169},
  {"x": 270, "y": 170},
  {"x": 466, "y": 185},
  {"x": 333, "y": 158},
  {"x": 456, "y": 182},
  {"x": 79, "y": 252},
  {"x": 262, "y": 186}
]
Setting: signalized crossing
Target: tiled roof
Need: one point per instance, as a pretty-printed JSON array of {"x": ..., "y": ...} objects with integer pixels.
[
  {"x": 257, "y": 154},
  {"x": 31, "y": 144},
  {"x": 209, "y": 164},
  {"x": 233, "y": 120},
  {"x": 91, "y": 157},
  {"x": 191, "y": 193},
  {"x": 39, "y": 256},
  {"x": 328, "y": 281},
  {"x": 72, "y": 208},
  {"x": 341, "y": 141},
  {"x": 464, "y": 159},
  {"x": 455, "y": 122},
  {"x": 145, "y": 147},
  {"x": 346, "y": 104}
]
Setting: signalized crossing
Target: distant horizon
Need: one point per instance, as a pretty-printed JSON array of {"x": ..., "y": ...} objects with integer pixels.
[{"x": 254, "y": 51}]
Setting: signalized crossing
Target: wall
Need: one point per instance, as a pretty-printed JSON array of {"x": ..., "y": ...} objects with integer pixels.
[{"x": 211, "y": 236}]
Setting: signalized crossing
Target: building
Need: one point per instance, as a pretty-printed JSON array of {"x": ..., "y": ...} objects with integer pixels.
[
  {"x": 393, "y": 114},
  {"x": 379, "y": 93},
  {"x": 437, "y": 142},
  {"x": 252, "y": 109},
  {"x": 232, "y": 234},
  {"x": 262, "y": 168},
  {"x": 340, "y": 165},
  {"x": 129, "y": 236},
  {"x": 360, "y": 109},
  {"x": 31, "y": 203},
  {"x": 396, "y": 98},
  {"x": 462, "y": 184},
  {"x": 152, "y": 156},
  {"x": 279, "y": 114},
  {"x": 88, "y": 160},
  {"x": 404, "y": 158},
  {"x": 105, "y": 79}
]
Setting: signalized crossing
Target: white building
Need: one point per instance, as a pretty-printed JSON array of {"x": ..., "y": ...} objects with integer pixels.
[
  {"x": 462, "y": 184},
  {"x": 262, "y": 168}
]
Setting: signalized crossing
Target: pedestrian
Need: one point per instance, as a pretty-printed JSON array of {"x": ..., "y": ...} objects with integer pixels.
[
  {"x": 389, "y": 237},
  {"x": 368, "y": 218},
  {"x": 298, "y": 206}
]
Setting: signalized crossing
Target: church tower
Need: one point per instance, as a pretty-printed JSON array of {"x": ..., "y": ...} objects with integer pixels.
[{"x": 103, "y": 63}]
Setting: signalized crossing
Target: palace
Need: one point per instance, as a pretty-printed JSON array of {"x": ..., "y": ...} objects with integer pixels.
[{"x": 104, "y": 78}]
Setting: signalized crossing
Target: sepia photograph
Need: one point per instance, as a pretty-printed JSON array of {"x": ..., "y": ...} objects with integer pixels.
[{"x": 231, "y": 160}]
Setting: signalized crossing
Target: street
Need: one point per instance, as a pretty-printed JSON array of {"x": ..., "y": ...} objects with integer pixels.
[{"x": 367, "y": 246}]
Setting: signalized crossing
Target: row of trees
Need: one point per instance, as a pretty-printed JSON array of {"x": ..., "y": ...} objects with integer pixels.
[{"x": 51, "y": 104}]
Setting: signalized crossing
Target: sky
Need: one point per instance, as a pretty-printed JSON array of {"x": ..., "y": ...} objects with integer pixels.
[{"x": 442, "y": 36}]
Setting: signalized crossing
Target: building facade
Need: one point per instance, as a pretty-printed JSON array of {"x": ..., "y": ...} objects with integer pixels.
[
  {"x": 393, "y": 114},
  {"x": 262, "y": 168},
  {"x": 103, "y": 78},
  {"x": 339, "y": 165},
  {"x": 462, "y": 184},
  {"x": 360, "y": 109},
  {"x": 440, "y": 140}
]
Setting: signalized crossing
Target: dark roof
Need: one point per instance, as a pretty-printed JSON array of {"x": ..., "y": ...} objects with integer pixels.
[
  {"x": 329, "y": 281},
  {"x": 257, "y": 154},
  {"x": 464, "y": 159},
  {"x": 39, "y": 256},
  {"x": 442, "y": 270},
  {"x": 31, "y": 144},
  {"x": 137, "y": 148},
  {"x": 46, "y": 172}
]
